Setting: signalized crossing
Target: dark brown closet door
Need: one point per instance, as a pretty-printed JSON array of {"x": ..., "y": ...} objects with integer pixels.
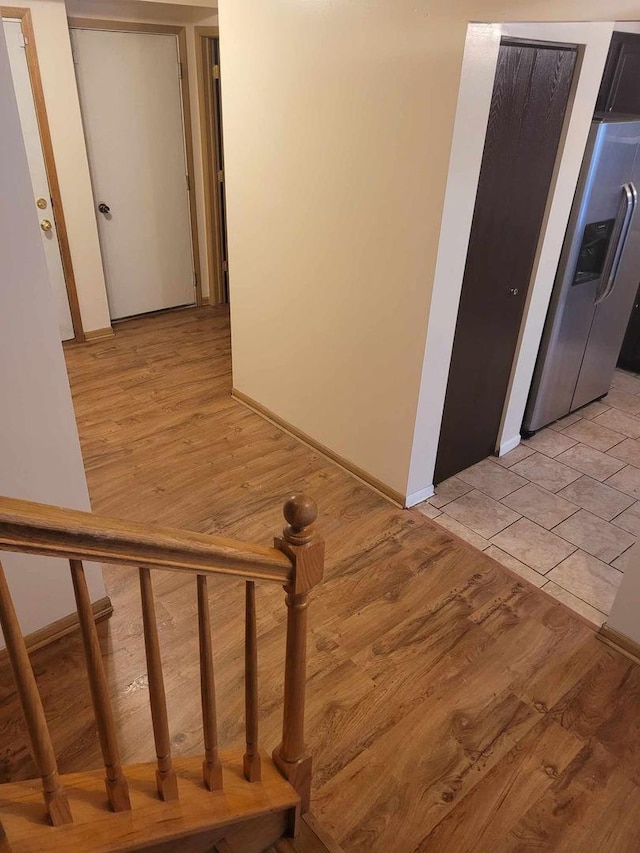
[{"x": 528, "y": 105}]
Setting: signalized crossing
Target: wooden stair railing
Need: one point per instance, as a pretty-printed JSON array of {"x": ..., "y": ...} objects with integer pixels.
[{"x": 296, "y": 562}]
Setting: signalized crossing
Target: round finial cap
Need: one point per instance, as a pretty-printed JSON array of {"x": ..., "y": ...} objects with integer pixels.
[{"x": 300, "y": 511}]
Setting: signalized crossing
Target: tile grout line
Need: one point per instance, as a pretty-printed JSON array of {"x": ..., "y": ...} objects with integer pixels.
[
  {"x": 545, "y": 575},
  {"x": 573, "y": 593}
]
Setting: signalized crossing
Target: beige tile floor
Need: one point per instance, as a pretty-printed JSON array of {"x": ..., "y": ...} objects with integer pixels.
[{"x": 563, "y": 508}]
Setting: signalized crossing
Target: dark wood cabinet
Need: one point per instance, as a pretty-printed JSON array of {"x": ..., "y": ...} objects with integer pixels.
[
  {"x": 620, "y": 88},
  {"x": 630, "y": 352},
  {"x": 620, "y": 94}
]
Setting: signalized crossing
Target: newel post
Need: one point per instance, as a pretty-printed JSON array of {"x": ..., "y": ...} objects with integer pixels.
[{"x": 306, "y": 550}]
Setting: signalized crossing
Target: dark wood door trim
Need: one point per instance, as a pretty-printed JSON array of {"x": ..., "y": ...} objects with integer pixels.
[{"x": 513, "y": 41}]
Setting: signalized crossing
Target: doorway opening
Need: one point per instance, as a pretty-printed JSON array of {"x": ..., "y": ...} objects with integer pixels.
[
  {"x": 562, "y": 507},
  {"x": 47, "y": 199},
  {"x": 140, "y": 160},
  {"x": 208, "y": 70}
]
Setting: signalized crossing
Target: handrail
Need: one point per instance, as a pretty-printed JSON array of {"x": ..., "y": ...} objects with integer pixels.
[
  {"x": 34, "y": 528},
  {"x": 296, "y": 562}
]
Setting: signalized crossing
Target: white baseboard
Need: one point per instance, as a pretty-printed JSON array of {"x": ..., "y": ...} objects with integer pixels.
[
  {"x": 506, "y": 446},
  {"x": 418, "y": 497}
]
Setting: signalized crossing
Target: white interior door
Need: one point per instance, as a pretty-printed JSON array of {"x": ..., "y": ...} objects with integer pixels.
[
  {"x": 130, "y": 96},
  {"x": 38, "y": 172}
]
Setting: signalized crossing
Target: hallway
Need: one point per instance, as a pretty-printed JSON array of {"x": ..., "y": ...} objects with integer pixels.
[{"x": 451, "y": 706}]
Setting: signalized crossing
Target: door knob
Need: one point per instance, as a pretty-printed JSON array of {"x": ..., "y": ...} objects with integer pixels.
[
  {"x": 46, "y": 225},
  {"x": 104, "y": 208}
]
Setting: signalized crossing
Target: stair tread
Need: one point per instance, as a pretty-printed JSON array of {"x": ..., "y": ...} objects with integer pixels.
[{"x": 150, "y": 820}]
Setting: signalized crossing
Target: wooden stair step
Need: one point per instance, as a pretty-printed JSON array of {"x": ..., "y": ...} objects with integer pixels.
[{"x": 151, "y": 823}]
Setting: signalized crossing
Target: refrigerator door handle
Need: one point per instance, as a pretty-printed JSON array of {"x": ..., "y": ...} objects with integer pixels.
[{"x": 621, "y": 231}]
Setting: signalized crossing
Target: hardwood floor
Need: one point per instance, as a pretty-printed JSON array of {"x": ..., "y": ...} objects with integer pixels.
[{"x": 451, "y": 706}]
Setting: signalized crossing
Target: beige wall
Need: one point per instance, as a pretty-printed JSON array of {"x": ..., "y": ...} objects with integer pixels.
[
  {"x": 329, "y": 151},
  {"x": 178, "y": 14},
  {"x": 338, "y": 130},
  {"x": 39, "y": 449}
]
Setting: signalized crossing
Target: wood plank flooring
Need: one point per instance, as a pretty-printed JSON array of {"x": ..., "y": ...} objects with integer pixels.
[{"x": 451, "y": 706}]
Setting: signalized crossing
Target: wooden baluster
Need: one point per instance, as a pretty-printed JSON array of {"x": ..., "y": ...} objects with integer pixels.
[
  {"x": 166, "y": 780},
  {"x": 300, "y": 542},
  {"x": 211, "y": 767},
  {"x": 116, "y": 784},
  {"x": 251, "y": 763},
  {"x": 44, "y": 756}
]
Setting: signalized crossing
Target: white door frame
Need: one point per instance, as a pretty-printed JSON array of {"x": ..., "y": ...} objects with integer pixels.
[
  {"x": 476, "y": 86},
  {"x": 181, "y": 33},
  {"x": 23, "y": 15}
]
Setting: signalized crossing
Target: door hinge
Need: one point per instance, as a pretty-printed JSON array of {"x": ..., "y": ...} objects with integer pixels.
[
  {"x": 195, "y": 279},
  {"x": 188, "y": 184},
  {"x": 215, "y": 71},
  {"x": 180, "y": 70},
  {"x": 23, "y": 40},
  {"x": 225, "y": 266},
  {"x": 221, "y": 176}
]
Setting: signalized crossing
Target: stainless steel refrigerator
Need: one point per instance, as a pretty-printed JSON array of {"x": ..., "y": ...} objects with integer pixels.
[{"x": 597, "y": 278}]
